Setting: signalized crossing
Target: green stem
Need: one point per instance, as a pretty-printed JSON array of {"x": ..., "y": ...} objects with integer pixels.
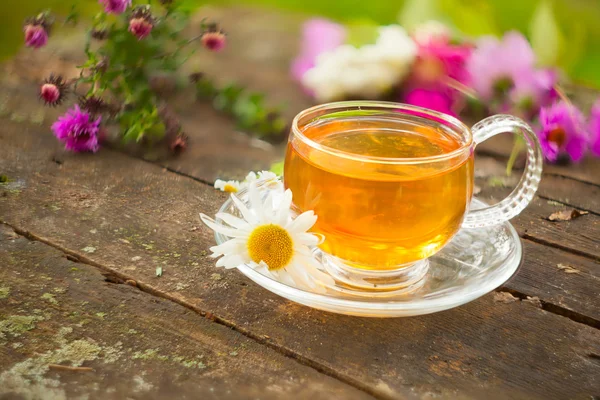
[{"x": 516, "y": 150}]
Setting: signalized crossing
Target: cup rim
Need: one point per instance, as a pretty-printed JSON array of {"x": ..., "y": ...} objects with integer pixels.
[{"x": 384, "y": 105}]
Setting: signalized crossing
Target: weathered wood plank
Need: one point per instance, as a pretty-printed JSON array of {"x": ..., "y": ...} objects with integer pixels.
[
  {"x": 581, "y": 235},
  {"x": 145, "y": 217},
  {"x": 66, "y": 332}
]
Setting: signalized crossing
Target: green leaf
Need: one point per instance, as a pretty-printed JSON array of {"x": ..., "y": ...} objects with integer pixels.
[
  {"x": 277, "y": 168},
  {"x": 546, "y": 38},
  {"x": 361, "y": 32},
  {"x": 473, "y": 17}
]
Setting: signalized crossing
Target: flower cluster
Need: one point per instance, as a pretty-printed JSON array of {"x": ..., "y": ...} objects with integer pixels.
[
  {"x": 370, "y": 71},
  {"x": 128, "y": 52},
  {"x": 435, "y": 69}
]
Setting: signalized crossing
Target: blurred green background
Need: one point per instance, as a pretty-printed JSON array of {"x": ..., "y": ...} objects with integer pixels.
[{"x": 565, "y": 33}]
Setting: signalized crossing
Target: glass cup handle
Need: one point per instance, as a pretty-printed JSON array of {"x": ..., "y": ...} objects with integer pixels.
[{"x": 522, "y": 195}]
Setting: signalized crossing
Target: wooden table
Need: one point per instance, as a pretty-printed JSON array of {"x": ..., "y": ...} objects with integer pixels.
[{"x": 83, "y": 314}]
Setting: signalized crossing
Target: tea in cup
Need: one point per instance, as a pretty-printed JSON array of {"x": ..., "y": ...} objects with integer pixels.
[{"x": 391, "y": 185}]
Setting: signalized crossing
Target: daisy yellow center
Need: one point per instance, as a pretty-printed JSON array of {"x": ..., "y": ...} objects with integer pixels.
[
  {"x": 271, "y": 244},
  {"x": 558, "y": 136},
  {"x": 229, "y": 188}
]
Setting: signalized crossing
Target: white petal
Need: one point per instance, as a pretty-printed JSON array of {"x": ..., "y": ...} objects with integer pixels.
[
  {"x": 309, "y": 239},
  {"x": 230, "y": 261},
  {"x": 303, "y": 222},
  {"x": 255, "y": 201},
  {"x": 251, "y": 177},
  {"x": 212, "y": 224},
  {"x": 229, "y": 247},
  {"x": 283, "y": 211},
  {"x": 220, "y": 184},
  {"x": 246, "y": 213},
  {"x": 286, "y": 278},
  {"x": 233, "y": 221}
]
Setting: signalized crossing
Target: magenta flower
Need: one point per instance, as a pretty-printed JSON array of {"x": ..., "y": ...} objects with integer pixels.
[
  {"x": 115, "y": 6},
  {"x": 495, "y": 65},
  {"x": 140, "y": 27},
  {"x": 318, "y": 36},
  {"x": 440, "y": 62},
  {"x": 77, "y": 130},
  {"x": 214, "y": 40},
  {"x": 594, "y": 128},
  {"x": 562, "y": 131},
  {"x": 36, "y": 35},
  {"x": 432, "y": 99}
]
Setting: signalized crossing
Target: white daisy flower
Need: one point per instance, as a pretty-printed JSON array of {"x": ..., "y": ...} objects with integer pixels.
[
  {"x": 269, "y": 240},
  {"x": 228, "y": 186}
]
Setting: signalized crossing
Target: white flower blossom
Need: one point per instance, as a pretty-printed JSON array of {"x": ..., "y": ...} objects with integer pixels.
[
  {"x": 368, "y": 71},
  {"x": 269, "y": 240}
]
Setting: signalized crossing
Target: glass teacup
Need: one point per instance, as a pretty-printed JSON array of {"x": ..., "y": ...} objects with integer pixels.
[{"x": 391, "y": 184}]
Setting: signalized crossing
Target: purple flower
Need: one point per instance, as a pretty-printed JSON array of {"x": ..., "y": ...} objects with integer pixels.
[
  {"x": 115, "y": 6},
  {"x": 495, "y": 65},
  {"x": 318, "y": 36},
  {"x": 595, "y": 128},
  {"x": 432, "y": 99},
  {"x": 534, "y": 89},
  {"x": 140, "y": 27},
  {"x": 77, "y": 130},
  {"x": 53, "y": 90},
  {"x": 36, "y": 35},
  {"x": 213, "y": 40},
  {"x": 562, "y": 132}
]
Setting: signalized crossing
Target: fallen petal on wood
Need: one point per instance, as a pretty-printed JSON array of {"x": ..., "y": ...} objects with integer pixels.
[
  {"x": 566, "y": 215},
  {"x": 568, "y": 269},
  {"x": 504, "y": 297}
]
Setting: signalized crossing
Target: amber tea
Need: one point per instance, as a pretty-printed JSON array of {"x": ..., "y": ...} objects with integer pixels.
[{"x": 376, "y": 211}]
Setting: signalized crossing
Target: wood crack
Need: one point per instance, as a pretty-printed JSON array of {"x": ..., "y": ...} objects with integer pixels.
[
  {"x": 119, "y": 278},
  {"x": 554, "y": 308},
  {"x": 555, "y": 245}
]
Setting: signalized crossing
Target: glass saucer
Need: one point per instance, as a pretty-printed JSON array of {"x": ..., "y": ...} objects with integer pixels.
[{"x": 475, "y": 262}]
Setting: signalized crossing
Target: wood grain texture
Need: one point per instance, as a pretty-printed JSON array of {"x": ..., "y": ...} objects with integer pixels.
[
  {"x": 66, "y": 332},
  {"x": 130, "y": 216}
]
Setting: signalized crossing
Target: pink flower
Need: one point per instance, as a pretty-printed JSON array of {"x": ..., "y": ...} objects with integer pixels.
[
  {"x": 53, "y": 90},
  {"x": 214, "y": 40},
  {"x": 77, "y": 130},
  {"x": 115, "y": 6},
  {"x": 594, "y": 128},
  {"x": 533, "y": 89},
  {"x": 36, "y": 35},
  {"x": 140, "y": 27},
  {"x": 318, "y": 36},
  {"x": 562, "y": 132},
  {"x": 439, "y": 60},
  {"x": 495, "y": 65},
  {"x": 432, "y": 99}
]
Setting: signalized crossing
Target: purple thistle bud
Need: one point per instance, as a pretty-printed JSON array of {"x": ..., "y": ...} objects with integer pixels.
[
  {"x": 54, "y": 90},
  {"x": 115, "y": 6},
  {"x": 141, "y": 22},
  {"x": 140, "y": 27},
  {"x": 77, "y": 130},
  {"x": 36, "y": 35},
  {"x": 563, "y": 131},
  {"x": 213, "y": 38}
]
